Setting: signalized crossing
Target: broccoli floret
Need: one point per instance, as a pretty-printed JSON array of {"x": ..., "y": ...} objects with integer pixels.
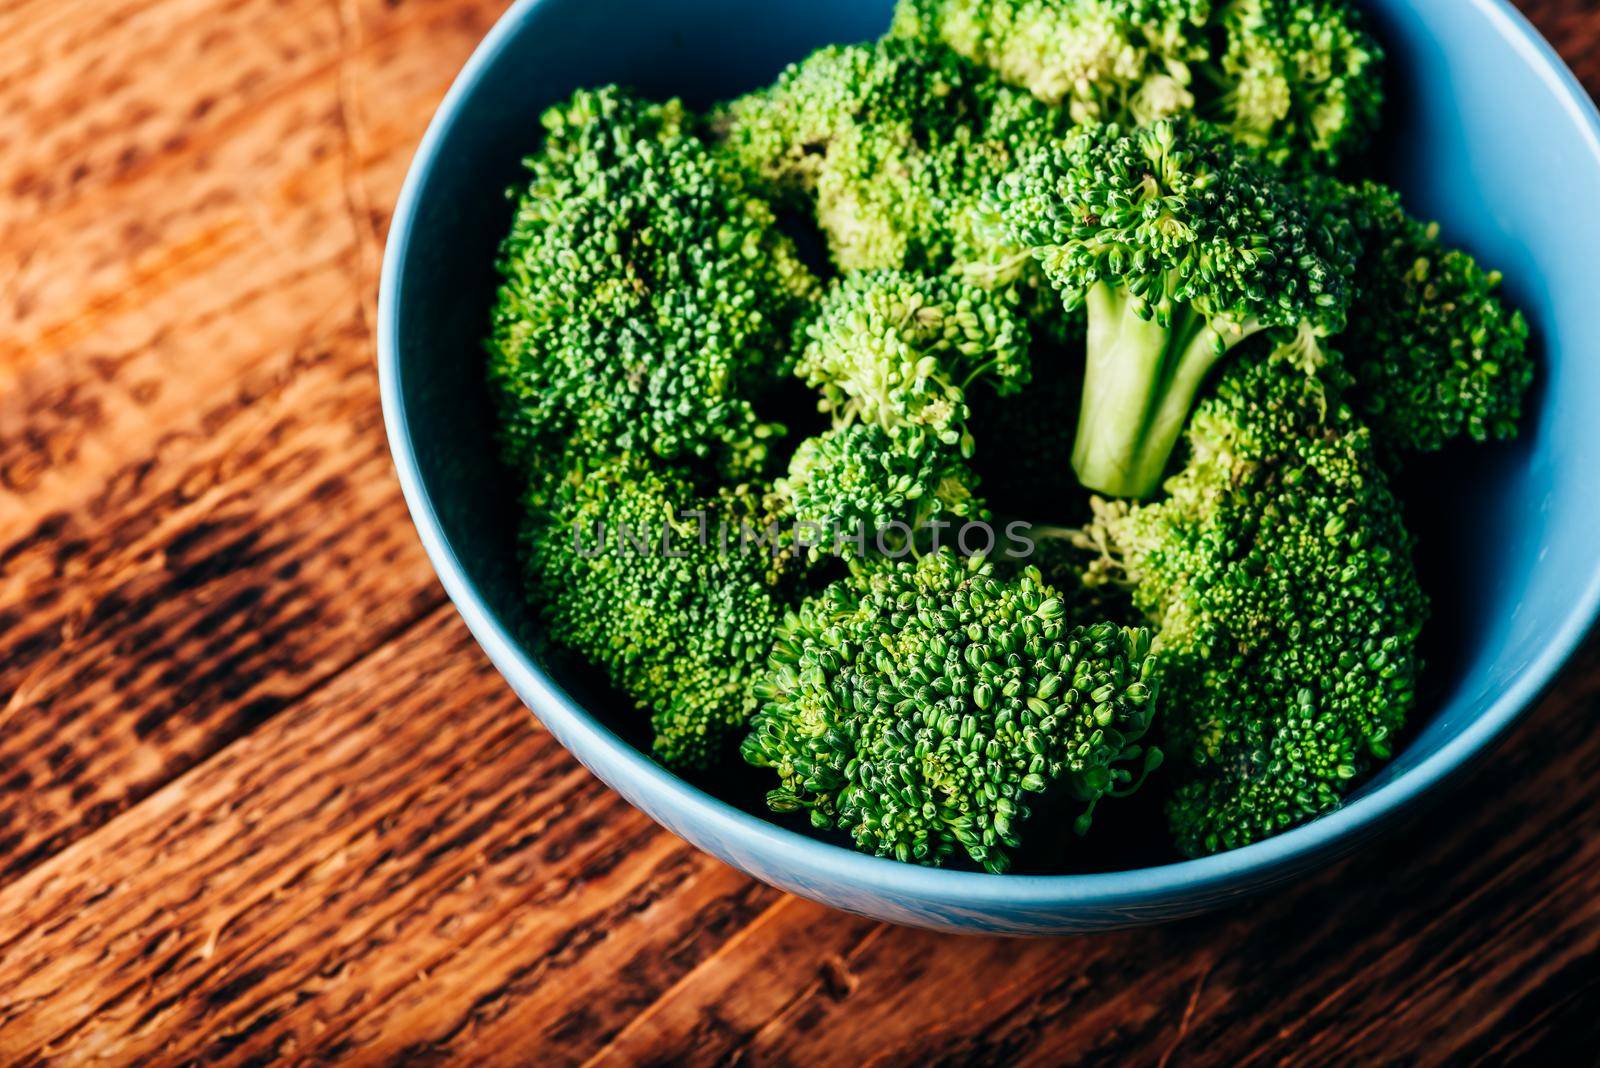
[
  {"x": 1103, "y": 60},
  {"x": 647, "y": 296},
  {"x": 1279, "y": 576},
  {"x": 1297, "y": 79},
  {"x": 1436, "y": 353},
  {"x": 896, "y": 357},
  {"x": 901, "y": 351},
  {"x": 1181, "y": 246},
  {"x": 851, "y": 485},
  {"x": 924, "y": 707},
  {"x": 893, "y": 146},
  {"x": 662, "y": 589}
]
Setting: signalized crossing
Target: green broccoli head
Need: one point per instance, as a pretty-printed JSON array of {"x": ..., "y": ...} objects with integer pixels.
[
  {"x": 902, "y": 351},
  {"x": 1436, "y": 352},
  {"x": 647, "y": 296},
  {"x": 897, "y": 357},
  {"x": 1102, "y": 60},
  {"x": 1296, "y": 79},
  {"x": 1181, "y": 246},
  {"x": 1279, "y": 575},
  {"x": 893, "y": 146},
  {"x": 590, "y": 133},
  {"x": 926, "y": 706},
  {"x": 664, "y": 590},
  {"x": 851, "y": 485}
]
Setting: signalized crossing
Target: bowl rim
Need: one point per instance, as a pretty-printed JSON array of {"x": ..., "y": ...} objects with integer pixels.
[{"x": 581, "y": 733}]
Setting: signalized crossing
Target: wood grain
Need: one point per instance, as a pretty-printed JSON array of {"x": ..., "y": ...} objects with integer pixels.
[
  {"x": 198, "y": 522},
  {"x": 261, "y": 798},
  {"x": 405, "y": 821}
]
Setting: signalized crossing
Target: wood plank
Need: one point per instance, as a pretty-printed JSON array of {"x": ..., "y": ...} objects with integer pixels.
[
  {"x": 198, "y": 518},
  {"x": 90, "y": 115},
  {"x": 267, "y": 191},
  {"x": 1573, "y": 27},
  {"x": 93, "y": 101},
  {"x": 390, "y": 866},
  {"x": 265, "y": 560},
  {"x": 793, "y": 952}
]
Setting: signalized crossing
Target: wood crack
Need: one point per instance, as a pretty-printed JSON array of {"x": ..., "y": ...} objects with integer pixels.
[{"x": 358, "y": 204}]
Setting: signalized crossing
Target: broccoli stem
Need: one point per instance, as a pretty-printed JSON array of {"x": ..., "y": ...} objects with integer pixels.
[{"x": 1140, "y": 383}]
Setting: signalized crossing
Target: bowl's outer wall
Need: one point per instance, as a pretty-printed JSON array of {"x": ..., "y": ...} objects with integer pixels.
[{"x": 1487, "y": 133}]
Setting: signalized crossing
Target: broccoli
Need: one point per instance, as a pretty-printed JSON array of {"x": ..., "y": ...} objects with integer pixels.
[
  {"x": 647, "y": 296},
  {"x": 1104, "y": 60},
  {"x": 926, "y": 706},
  {"x": 1181, "y": 246},
  {"x": 664, "y": 590},
  {"x": 893, "y": 146},
  {"x": 901, "y": 350},
  {"x": 895, "y": 356},
  {"x": 1296, "y": 79},
  {"x": 1001, "y": 186},
  {"x": 1279, "y": 576},
  {"x": 1436, "y": 353},
  {"x": 849, "y": 486}
]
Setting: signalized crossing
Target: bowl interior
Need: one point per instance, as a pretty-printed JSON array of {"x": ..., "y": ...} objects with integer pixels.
[{"x": 1484, "y": 133}]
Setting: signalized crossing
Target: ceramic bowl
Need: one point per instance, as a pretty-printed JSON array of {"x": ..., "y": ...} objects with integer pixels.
[{"x": 1487, "y": 132}]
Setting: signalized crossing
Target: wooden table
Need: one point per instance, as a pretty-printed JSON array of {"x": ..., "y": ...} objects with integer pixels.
[{"x": 261, "y": 795}]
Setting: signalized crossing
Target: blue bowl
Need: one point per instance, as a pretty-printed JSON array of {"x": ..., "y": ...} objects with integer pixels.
[{"x": 1487, "y": 132}]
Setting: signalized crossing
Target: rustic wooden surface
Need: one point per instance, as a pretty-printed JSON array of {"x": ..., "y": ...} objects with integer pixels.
[{"x": 261, "y": 796}]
